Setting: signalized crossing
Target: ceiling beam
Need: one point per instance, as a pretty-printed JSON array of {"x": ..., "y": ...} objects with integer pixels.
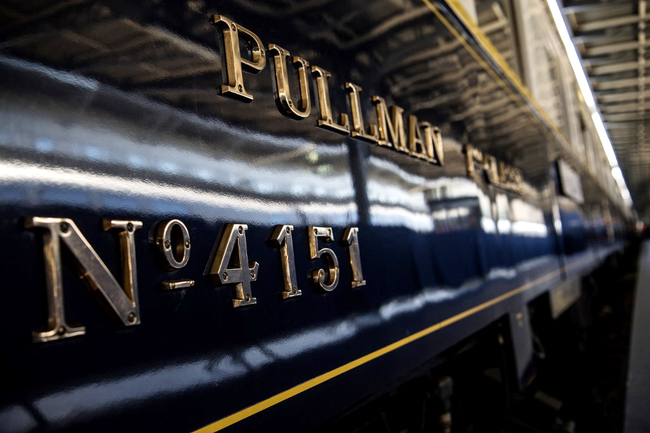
[
  {"x": 622, "y": 108},
  {"x": 608, "y": 23},
  {"x": 624, "y": 117},
  {"x": 604, "y": 84},
  {"x": 576, "y": 8},
  {"x": 620, "y": 97},
  {"x": 612, "y": 68},
  {"x": 618, "y": 47}
]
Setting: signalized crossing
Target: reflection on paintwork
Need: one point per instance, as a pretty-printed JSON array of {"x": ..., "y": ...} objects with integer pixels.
[
  {"x": 79, "y": 403},
  {"x": 112, "y": 110},
  {"x": 151, "y": 197}
]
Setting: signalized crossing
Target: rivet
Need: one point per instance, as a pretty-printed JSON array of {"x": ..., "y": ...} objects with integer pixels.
[
  {"x": 288, "y": 230},
  {"x": 61, "y": 330},
  {"x": 240, "y": 87},
  {"x": 64, "y": 228},
  {"x": 234, "y": 28},
  {"x": 225, "y": 276},
  {"x": 252, "y": 274},
  {"x": 187, "y": 244},
  {"x": 129, "y": 227},
  {"x": 241, "y": 230},
  {"x": 168, "y": 244},
  {"x": 131, "y": 317}
]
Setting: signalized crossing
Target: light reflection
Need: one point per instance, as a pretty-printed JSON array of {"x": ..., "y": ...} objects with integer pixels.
[
  {"x": 214, "y": 147},
  {"x": 84, "y": 402},
  {"x": 63, "y": 186},
  {"x": 503, "y": 226},
  {"x": 212, "y": 125},
  {"x": 386, "y": 216},
  {"x": 488, "y": 225},
  {"x": 176, "y": 158}
]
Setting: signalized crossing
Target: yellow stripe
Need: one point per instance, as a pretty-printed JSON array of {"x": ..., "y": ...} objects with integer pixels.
[
  {"x": 291, "y": 392},
  {"x": 487, "y": 45}
]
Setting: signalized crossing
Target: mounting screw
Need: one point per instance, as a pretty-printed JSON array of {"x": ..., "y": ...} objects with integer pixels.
[
  {"x": 225, "y": 276},
  {"x": 187, "y": 244},
  {"x": 288, "y": 230},
  {"x": 241, "y": 230},
  {"x": 168, "y": 244},
  {"x": 64, "y": 228},
  {"x": 253, "y": 274},
  {"x": 234, "y": 28},
  {"x": 240, "y": 87},
  {"x": 61, "y": 330},
  {"x": 131, "y": 317},
  {"x": 129, "y": 227}
]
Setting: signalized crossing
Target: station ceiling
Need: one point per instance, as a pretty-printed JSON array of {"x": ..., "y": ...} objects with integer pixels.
[{"x": 611, "y": 39}]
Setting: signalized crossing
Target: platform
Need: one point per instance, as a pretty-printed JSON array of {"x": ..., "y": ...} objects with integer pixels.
[{"x": 637, "y": 413}]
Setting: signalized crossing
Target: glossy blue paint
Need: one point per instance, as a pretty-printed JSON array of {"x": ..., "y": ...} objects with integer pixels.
[{"x": 118, "y": 132}]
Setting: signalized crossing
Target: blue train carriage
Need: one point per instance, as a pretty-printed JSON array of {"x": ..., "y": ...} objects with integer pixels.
[{"x": 285, "y": 211}]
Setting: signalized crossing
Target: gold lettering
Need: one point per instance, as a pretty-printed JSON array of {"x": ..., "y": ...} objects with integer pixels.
[
  {"x": 417, "y": 146},
  {"x": 282, "y": 237},
  {"x": 232, "y": 62},
  {"x": 325, "y": 119},
  {"x": 491, "y": 169},
  {"x": 358, "y": 128},
  {"x": 391, "y": 128},
  {"x": 497, "y": 173},
  {"x": 122, "y": 302},
  {"x": 351, "y": 239},
  {"x": 330, "y": 279},
  {"x": 234, "y": 249},
  {"x": 282, "y": 90},
  {"x": 433, "y": 143},
  {"x": 472, "y": 155}
]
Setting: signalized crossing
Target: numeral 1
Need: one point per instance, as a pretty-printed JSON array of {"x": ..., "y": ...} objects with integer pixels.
[
  {"x": 351, "y": 239},
  {"x": 282, "y": 237},
  {"x": 243, "y": 271}
]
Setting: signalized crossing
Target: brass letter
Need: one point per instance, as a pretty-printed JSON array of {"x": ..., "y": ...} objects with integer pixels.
[
  {"x": 231, "y": 60},
  {"x": 175, "y": 250},
  {"x": 417, "y": 147},
  {"x": 351, "y": 239},
  {"x": 244, "y": 271},
  {"x": 472, "y": 155},
  {"x": 318, "y": 275},
  {"x": 123, "y": 302},
  {"x": 358, "y": 128},
  {"x": 325, "y": 120},
  {"x": 491, "y": 169},
  {"x": 282, "y": 237},
  {"x": 391, "y": 129},
  {"x": 282, "y": 90},
  {"x": 433, "y": 143}
]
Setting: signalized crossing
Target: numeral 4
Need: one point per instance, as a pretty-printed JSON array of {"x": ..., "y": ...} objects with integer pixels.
[{"x": 242, "y": 272}]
